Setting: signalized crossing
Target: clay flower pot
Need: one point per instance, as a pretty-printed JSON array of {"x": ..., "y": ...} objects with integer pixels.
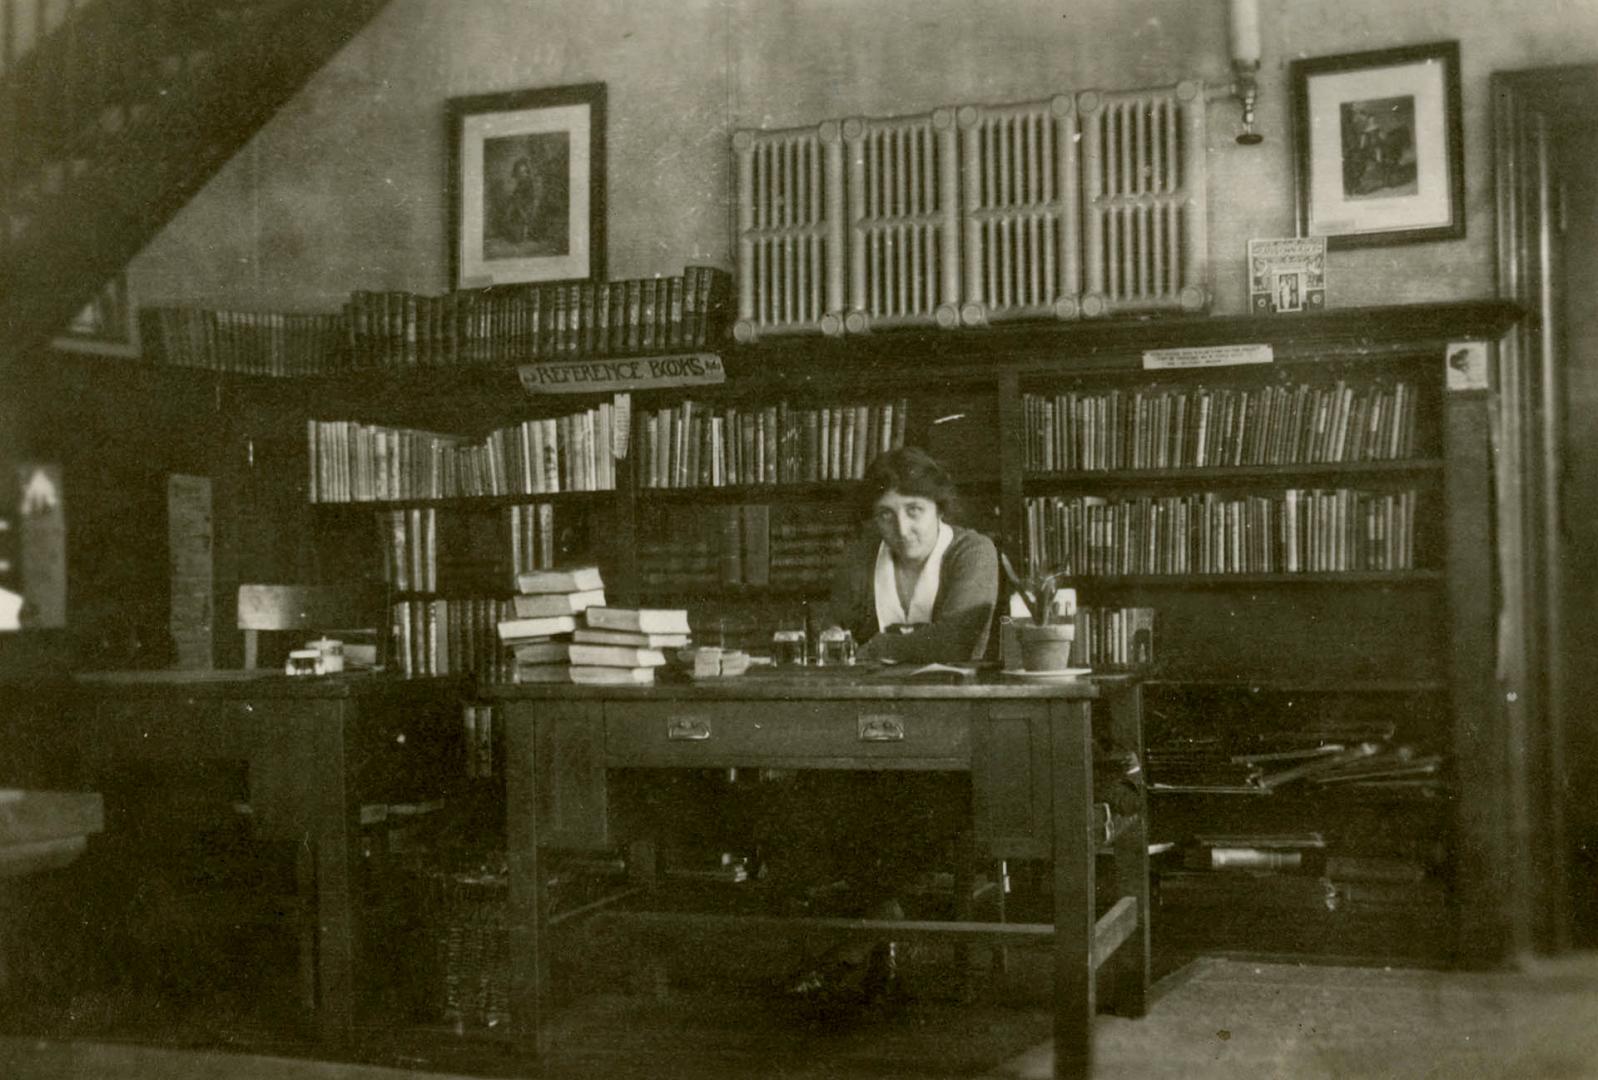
[{"x": 1047, "y": 647}]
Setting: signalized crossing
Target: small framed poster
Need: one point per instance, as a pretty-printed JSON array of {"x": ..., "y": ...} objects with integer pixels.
[{"x": 1287, "y": 276}]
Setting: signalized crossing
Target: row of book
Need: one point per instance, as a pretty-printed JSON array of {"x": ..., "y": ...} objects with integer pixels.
[
  {"x": 1197, "y": 427},
  {"x": 1108, "y": 638},
  {"x": 561, "y": 630},
  {"x": 355, "y": 462},
  {"x": 411, "y": 548},
  {"x": 516, "y": 324},
  {"x": 692, "y": 444},
  {"x": 1296, "y": 531},
  {"x": 534, "y": 542},
  {"x": 448, "y": 637},
  {"x": 741, "y": 546},
  {"x": 272, "y": 343}
]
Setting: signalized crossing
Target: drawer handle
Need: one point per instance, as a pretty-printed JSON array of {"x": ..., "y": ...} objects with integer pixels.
[
  {"x": 881, "y": 729},
  {"x": 687, "y": 729}
]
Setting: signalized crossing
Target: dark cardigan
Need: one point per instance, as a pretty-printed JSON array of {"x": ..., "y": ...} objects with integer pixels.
[{"x": 962, "y": 613}]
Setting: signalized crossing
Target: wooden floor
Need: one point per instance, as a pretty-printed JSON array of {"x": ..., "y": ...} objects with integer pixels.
[{"x": 1213, "y": 1019}]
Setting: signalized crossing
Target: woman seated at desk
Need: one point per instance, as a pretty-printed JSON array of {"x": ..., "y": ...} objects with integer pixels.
[{"x": 921, "y": 590}]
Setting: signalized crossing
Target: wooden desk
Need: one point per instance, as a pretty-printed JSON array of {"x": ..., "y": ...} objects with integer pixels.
[
  {"x": 310, "y": 747},
  {"x": 1028, "y": 747}
]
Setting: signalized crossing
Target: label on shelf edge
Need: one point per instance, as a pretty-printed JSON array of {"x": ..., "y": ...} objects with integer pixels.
[
  {"x": 624, "y": 373},
  {"x": 1206, "y": 356}
]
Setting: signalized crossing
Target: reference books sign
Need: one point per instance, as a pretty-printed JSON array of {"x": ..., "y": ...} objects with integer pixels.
[{"x": 627, "y": 373}]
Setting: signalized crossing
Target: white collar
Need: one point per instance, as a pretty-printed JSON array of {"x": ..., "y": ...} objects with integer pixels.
[{"x": 890, "y": 611}]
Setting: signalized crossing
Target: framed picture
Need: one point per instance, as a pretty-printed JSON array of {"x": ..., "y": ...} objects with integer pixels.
[
  {"x": 1378, "y": 146},
  {"x": 108, "y": 325},
  {"x": 527, "y": 186}
]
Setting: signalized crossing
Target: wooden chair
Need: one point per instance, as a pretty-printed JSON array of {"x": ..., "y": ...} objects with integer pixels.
[{"x": 307, "y": 609}]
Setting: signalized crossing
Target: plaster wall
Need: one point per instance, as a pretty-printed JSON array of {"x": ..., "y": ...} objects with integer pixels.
[{"x": 344, "y": 188}]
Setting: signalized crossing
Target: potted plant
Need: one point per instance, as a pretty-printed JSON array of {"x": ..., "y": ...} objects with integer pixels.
[{"x": 1046, "y": 640}]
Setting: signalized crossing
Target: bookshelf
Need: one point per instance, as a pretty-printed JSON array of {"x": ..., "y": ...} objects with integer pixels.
[{"x": 1308, "y": 534}]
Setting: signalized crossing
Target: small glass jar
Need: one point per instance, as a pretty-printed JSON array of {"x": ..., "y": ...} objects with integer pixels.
[
  {"x": 836, "y": 648},
  {"x": 788, "y": 647}
]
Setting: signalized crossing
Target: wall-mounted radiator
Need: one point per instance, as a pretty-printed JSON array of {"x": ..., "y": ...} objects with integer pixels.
[
  {"x": 790, "y": 231},
  {"x": 1143, "y": 180},
  {"x": 1022, "y": 219},
  {"x": 904, "y": 219},
  {"x": 1084, "y": 205}
]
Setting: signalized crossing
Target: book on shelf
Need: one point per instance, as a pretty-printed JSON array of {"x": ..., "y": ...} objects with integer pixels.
[
  {"x": 630, "y": 639},
  {"x": 585, "y": 653},
  {"x": 756, "y": 544},
  {"x": 543, "y": 626},
  {"x": 541, "y": 652},
  {"x": 729, "y": 522},
  {"x": 567, "y": 580},
  {"x": 535, "y": 605},
  {"x": 639, "y": 620},
  {"x": 591, "y": 675}
]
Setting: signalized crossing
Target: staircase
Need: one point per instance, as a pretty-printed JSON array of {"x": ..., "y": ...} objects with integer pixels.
[{"x": 113, "y": 114}]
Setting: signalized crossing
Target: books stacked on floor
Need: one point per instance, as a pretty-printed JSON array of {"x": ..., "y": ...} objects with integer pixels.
[{"x": 545, "y": 612}]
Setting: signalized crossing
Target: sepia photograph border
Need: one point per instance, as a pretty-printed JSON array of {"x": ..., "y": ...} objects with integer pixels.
[
  {"x": 1409, "y": 186},
  {"x": 501, "y": 238}
]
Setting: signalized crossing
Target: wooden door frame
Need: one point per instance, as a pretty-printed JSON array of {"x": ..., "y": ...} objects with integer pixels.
[{"x": 1535, "y": 670}]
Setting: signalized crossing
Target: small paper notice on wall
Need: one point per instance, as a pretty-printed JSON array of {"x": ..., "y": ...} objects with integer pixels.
[
  {"x": 1206, "y": 356},
  {"x": 1287, "y": 276},
  {"x": 1467, "y": 365}
]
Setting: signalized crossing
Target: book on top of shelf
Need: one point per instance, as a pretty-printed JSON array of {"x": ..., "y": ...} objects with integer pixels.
[
  {"x": 615, "y": 656},
  {"x": 639, "y": 620},
  {"x": 630, "y": 638},
  {"x": 558, "y": 580},
  {"x": 588, "y": 675},
  {"x": 543, "y": 626},
  {"x": 534, "y": 605}
]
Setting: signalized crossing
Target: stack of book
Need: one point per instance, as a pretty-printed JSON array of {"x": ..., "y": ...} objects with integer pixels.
[
  {"x": 545, "y": 612},
  {"x": 625, "y": 645},
  {"x": 564, "y": 633}
]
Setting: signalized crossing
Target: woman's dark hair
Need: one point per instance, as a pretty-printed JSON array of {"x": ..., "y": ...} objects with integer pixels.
[{"x": 909, "y": 471}]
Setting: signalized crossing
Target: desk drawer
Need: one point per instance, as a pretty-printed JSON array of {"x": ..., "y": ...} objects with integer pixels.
[{"x": 794, "y": 734}]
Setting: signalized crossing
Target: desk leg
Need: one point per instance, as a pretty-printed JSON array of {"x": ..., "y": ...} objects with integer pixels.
[
  {"x": 1072, "y": 742},
  {"x": 526, "y": 891},
  {"x": 1128, "y": 969},
  {"x": 331, "y": 832}
]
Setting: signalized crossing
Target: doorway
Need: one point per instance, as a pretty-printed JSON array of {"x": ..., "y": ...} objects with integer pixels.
[{"x": 1545, "y": 154}]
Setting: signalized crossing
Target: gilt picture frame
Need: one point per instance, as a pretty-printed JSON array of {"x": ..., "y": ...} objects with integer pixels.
[
  {"x": 1378, "y": 146},
  {"x": 527, "y": 186}
]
